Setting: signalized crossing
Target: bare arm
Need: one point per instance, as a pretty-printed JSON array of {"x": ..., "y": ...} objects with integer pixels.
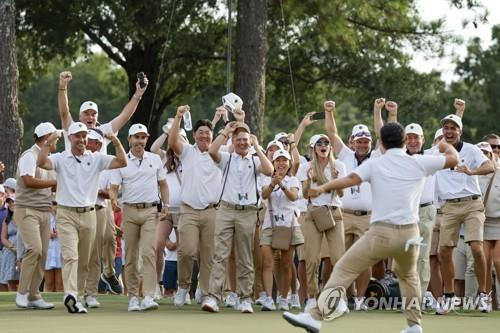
[
  {"x": 62, "y": 99},
  {"x": 291, "y": 193},
  {"x": 459, "y": 105},
  {"x": 337, "y": 184},
  {"x": 113, "y": 195},
  {"x": 214, "y": 148},
  {"x": 173, "y": 133},
  {"x": 120, "y": 160},
  {"x": 451, "y": 155},
  {"x": 392, "y": 109},
  {"x": 306, "y": 121},
  {"x": 156, "y": 146},
  {"x": 266, "y": 167},
  {"x": 331, "y": 128},
  {"x": 43, "y": 161},
  {"x": 485, "y": 168},
  {"x": 295, "y": 158},
  {"x": 130, "y": 108},
  {"x": 377, "y": 115},
  {"x": 33, "y": 182}
]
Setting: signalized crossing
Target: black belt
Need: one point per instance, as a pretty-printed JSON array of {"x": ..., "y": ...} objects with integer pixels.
[
  {"x": 98, "y": 207},
  {"x": 439, "y": 211},
  {"x": 78, "y": 209},
  {"x": 469, "y": 198},
  {"x": 210, "y": 206},
  {"x": 355, "y": 212},
  {"x": 238, "y": 207},
  {"x": 426, "y": 204},
  {"x": 142, "y": 205},
  {"x": 462, "y": 236}
]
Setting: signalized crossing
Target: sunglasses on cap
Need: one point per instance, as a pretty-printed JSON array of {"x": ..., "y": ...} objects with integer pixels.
[
  {"x": 362, "y": 134},
  {"x": 285, "y": 142},
  {"x": 493, "y": 146},
  {"x": 323, "y": 143}
]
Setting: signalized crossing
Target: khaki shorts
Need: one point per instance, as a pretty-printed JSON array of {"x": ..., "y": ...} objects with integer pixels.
[
  {"x": 299, "y": 249},
  {"x": 266, "y": 236},
  {"x": 435, "y": 235},
  {"x": 354, "y": 227},
  {"x": 470, "y": 213}
]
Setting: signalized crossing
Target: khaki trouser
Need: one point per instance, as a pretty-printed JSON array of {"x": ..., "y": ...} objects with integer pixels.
[
  {"x": 96, "y": 253},
  {"x": 313, "y": 240},
  {"x": 258, "y": 285},
  {"x": 76, "y": 234},
  {"x": 34, "y": 226},
  {"x": 427, "y": 218},
  {"x": 109, "y": 243},
  {"x": 382, "y": 240},
  {"x": 139, "y": 231},
  {"x": 196, "y": 237},
  {"x": 240, "y": 225},
  {"x": 354, "y": 227},
  {"x": 464, "y": 267},
  {"x": 470, "y": 213}
]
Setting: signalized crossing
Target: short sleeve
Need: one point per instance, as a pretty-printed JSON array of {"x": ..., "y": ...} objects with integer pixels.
[
  {"x": 478, "y": 157},
  {"x": 104, "y": 160},
  {"x": 27, "y": 165},
  {"x": 115, "y": 177},
  {"x": 186, "y": 148},
  {"x": 224, "y": 159},
  {"x": 344, "y": 152},
  {"x": 107, "y": 128},
  {"x": 256, "y": 160},
  {"x": 341, "y": 168},
  {"x": 364, "y": 171},
  {"x": 302, "y": 173},
  {"x": 161, "y": 174},
  {"x": 293, "y": 182},
  {"x": 264, "y": 181},
  {"x": 432, "y": 163},
  {"x": 55, "y": 158}
]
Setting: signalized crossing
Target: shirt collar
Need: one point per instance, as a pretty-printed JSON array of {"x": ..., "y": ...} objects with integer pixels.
[
  {"x": 395, "y": 151},
  {"x": 133, "y": 157},
  {"x": 247, "y": 156},
  {"x": 69, "y": 153}
]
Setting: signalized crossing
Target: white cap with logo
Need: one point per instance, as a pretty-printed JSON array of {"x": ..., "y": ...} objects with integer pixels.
[
  {"x": 137, "y": 128},
  {"x": 360, "y": 131},
  {"x": 95, "y": 134},
  {"x": 274, "y": 143},
  {"x": 414, "y": 129},
  {"x": 281, "y": 153},
  {"x": 315, "y": 138},
  {"x": 439, "y": 133},
  {"x": 44, "y": 129},
  {"x": 280, "y": 135},
  {"x": 453, "y": 118},
  {"x": 481, "y": 145},
  {"x": 77, "y": 128},
  {"x": 88, "y": 105}
]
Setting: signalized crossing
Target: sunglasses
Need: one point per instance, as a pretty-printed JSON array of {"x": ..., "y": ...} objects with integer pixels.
[
  {"x": 285, "y": 142},
  {"x": 323, "y": 143},
  {"x": 361, "y": 134},
  {"x": 494, "y": 146}
]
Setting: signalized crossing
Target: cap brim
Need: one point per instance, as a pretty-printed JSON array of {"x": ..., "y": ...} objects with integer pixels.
[{"x": 354, "y": 138}]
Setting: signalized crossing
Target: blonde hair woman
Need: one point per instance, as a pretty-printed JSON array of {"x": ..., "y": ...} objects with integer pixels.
[
  {"x": 323, "y": 217},
  {"x": 280, "y": 230}
]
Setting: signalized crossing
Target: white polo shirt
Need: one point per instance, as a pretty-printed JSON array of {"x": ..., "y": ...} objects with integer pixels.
[
  {"x": 78, "y": 177},
  {"x": 284, "y": 210},
  {"x": 357, "y": 197},
  {"x": 429, "y": 191},
  {"x": 104, "y": 185},
  {"x": 397, "y": 180},
  {"x": 452, "y": 184},
  {"x": 201, "y": 178},
  {"x": 240, "y": 186},
  {"x": 301, "y": 202},
  {"x": 325, "y": 199},
  {"x": 104, "y": 128},
  {"x": 139, "y": 179}
]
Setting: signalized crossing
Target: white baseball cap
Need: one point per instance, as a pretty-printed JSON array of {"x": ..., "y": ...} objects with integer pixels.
[
  {"x": 360, "y": 131},
  {"x": 414, "y": 129},
  {"x": 280, "y": 135},
  {"x": 453, "y": 118},
  {"x": 77, "y": 127},
  {"x": 315, "y": 138},
  {"x": 281, "y": 152},
  {"x": 95, "y": 135},
  {"x": 11, "y": 182},
  {"x": 274, "y": 143},
  {"x": 88, "y": 105},
  {"x": 137, "y": 128},
  {"x": 439, "y": 133},
  {"x": 44, "y": 129},
  {"x": 481, "y": 145}
]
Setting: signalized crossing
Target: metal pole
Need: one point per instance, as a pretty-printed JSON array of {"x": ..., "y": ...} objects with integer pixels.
[{"x": 228, "y": 59}]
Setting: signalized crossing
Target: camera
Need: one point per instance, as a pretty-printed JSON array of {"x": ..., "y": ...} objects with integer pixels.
[
  {"x": 141, "y": 77},
  {"x": 232, "y": 102}
]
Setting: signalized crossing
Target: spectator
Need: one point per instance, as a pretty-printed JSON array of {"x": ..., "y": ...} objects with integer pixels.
[
  {"x": 9, "y": 272},
  {"x": 53, "y": 276}
]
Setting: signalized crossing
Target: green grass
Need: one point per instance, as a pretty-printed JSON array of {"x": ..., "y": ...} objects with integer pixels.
[{"x": 112, "y": 317}]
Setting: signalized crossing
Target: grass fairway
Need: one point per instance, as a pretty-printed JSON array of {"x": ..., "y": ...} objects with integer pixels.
[{"x": 113, "y": 317}]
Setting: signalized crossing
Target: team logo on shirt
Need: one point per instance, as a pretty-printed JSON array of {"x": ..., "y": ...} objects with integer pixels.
[{"x": 242, "y": 196}]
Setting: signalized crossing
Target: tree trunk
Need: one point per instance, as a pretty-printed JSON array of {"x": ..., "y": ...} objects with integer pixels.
[
  {"x": 251, "y": 58},
  {"x": 11, "y": 126}
]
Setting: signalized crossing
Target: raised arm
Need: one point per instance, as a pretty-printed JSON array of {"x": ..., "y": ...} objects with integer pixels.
[
  {"x": 392, "y": 109},
  {"x": 295, "y": 155},
  {"x": 220, "y": 113},
  {"x": 450, "y": 153},
  {"x": 43, "y": 161},
  {"x": 331, "y": 127},
  {"x": 266, "y": 167},
  {"x": 214, "y": 148},
  {"x": 459, "y": 105},
  {"x": 62, "y": 99},
  {"x": 306, "y": 121},
  {"x": 130, "y": 108},
  {"x": 156, "y": 146},
  {"x": 377, "y": 115},
  {"x": 173, "y": 133},
  {"x": 120, "y": 160}
]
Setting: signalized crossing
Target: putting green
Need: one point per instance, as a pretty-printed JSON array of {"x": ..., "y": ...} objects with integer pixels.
[{"x": 112, "y": 317}]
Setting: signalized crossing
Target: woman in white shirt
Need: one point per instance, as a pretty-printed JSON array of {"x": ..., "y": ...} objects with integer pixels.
[
  {"x": 280, "y": 226},
  {"x": 173, "y": 168},
  {"x": 323, "y": 215}
]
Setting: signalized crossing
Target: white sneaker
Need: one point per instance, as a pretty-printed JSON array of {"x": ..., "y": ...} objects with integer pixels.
[
  {"x": 197, "y": 296},
  {"x": 80, "y": 308},
  {"x": 360, "y": 304},
  {"x": 447, "y": 305},
  {"x": 412, "y": 329},
  {"x": 483, "y": 302},
  {"x": 40, "y": 304},
  {"x": 303, "y": 320},
  {"x": 268, "y": 304},
  {"x": 72, "y": 305},
  {"x": 22, "y": 300},
  {"x": 148, "y": 303},
  {"x": 429, "y": 302},
  {"x": 246, "y": 306},
  {"x": 310, "y": 304},
  {"x": 92, "y": 302},
  {"x": 283, "y": 305},
  {"x": 295, "y": 301},
  {"x": 262, "y": 298},
  {"x": 158, "y": 293},
  {"x": 133, "y": 304},
  {"x": 180, "y": 296},
  {"x": 232, "y": 301},
  {"x": 210, "y": 304}
]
